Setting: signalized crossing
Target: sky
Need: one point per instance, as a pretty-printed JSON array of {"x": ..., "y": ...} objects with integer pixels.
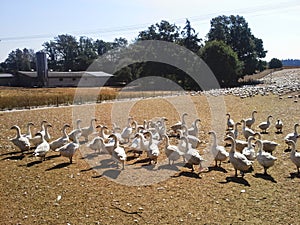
[{"x": 30, "y": 23}]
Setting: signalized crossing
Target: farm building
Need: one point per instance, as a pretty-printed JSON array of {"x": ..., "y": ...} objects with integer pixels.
[{"x": 45, "y": 78}]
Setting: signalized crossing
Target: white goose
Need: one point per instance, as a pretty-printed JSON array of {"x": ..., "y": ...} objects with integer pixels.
[
  {"x": 265, "y": 125},
  {"x": 42, "y": 149},
  {"x": 47, "y": 134},
  {"x": 36, "y": 140},
  {"x": 247, "y": 132},
  {"x": 265, "y": 159},
  {"x": 171, "y": 151},
  {"x": 238, "y": 160},
  {"x": 20, "y": 141},
  {"x": 239, "y": 144},
  {"x": 102, "y": 132},
  {"x": 230, "y": 122},
  {"x": 178, "y": 125},
  {"x": 75, "y": 134},
  {"x": 219, "y": 152},
  {"x": 250, "y": 121},
  {"x": 118, "y": 152},
  {"x": 295, "y": 156},
  {"x": 152, "y": 149},
  {"x": 192, "y": 156},
  {"x": 127, "y": 131},
  {"x": 28, "y": 133},
  {"x": 268, "y": 146},
  {"x": 292, "y": 136},
  {"x": 235, "y": 131},
  {"x": 249, "y": 151},
  {"x": 62, "y": 140},
  {"x": 68, "y": 150},
  {"x": 194, "y": 130},
  {"x": 195, "y": 142},
  {"x": 279, "y": 126},
  {"x": 86, "y": 131}
]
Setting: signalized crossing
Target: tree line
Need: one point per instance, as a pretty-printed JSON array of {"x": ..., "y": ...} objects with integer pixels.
[{"x": 229, "y": 49}]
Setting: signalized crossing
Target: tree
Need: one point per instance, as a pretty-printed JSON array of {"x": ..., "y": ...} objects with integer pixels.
[
  {"x": 275, "y": 63},
  {"x": 234, "y": 31},
  {"x": 163, "y": 31},
  {"x": 190, "y": 38},
  {"x": 20, "y": 60},
  {"x": 223, "y": 61}
]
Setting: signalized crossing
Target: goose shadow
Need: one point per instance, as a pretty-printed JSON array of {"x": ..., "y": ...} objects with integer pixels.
[
  {"x": 217, "y": 168},
  {"x": 30, "y": 164},
  {"x": 265, "y": 177},
  {"x": 86, "y": 170},
  {"x": 173, "y": 167},
  {"x": 14, "y": 157},
  {"x": 238, "y": 180},
  {"x": 278, "y": 132},
  {"x": 58, "y": 166},
  {"x": 52, "y": 157},
  {"x": 287, "y": 150},
  {"x": 190, "y": 174},
  {"x": 11, "y": 153},
  {"x": 294, "y": 175}
]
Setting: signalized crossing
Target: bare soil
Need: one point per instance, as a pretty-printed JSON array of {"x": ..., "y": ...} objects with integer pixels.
[{"x": 56, "y": 192}]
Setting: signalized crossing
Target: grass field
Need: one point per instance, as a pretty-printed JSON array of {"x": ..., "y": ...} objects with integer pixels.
[{"x": 55, "y": 192}]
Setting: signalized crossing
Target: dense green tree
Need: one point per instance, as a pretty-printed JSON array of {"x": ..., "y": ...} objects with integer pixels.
[
  {"x": 234, "y": 31},
  {"x": 20, "y": 60},
  {"x": 190, "y": 38},
  {"x": 163, "y": 31},
  {"x": 275, "y": 63},
  {"x": 223, "y": 62}
]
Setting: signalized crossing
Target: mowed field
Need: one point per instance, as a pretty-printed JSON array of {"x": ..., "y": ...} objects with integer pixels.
[{"x": 56, "y": 192}]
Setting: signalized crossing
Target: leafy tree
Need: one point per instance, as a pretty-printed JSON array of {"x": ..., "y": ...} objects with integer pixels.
[
  {"x": 190, "y": 38},
  {"x": 163, "y": 31},
  {"x": 20, "y": 60},
  {"x": 223, "y": 61},
  {"x": 86, "y": 53},
  {"x": 234, "y": 31},
  {"x": 275, "y": 63}
]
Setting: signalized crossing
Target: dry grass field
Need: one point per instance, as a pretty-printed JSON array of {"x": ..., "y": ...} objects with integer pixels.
[{"x": 56, "y": 192}]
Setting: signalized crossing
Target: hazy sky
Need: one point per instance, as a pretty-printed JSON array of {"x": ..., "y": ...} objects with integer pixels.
[{"x": 30, "y": 23}]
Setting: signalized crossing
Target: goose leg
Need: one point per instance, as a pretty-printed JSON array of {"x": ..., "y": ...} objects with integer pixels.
[
  {"x": 235, "y": 173},
  {"x": 216, "y": 165},
  {"x": 70, "y": 160},
  {"x": 265, "y": 171}
]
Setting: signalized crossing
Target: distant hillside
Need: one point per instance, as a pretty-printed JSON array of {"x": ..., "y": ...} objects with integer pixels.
[{"x": 290, "y": 62}]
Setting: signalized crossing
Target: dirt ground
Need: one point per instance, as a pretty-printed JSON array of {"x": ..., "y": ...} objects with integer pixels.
[{"x": 87, "y": 192}]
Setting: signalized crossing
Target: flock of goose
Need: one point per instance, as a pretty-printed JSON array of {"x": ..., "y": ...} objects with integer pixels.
[{"x": 148, "y": 137}]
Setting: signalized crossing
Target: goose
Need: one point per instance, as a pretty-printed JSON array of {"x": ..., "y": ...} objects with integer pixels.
[
  {"x": 230, "y": 122},
  {"x": 68, "y": 150},
  {"x": 102, "y": 131},
  {"x": 118, "y": 152},
  {"x": 97, "y": 144},
  {"x": 265, "y": 159},
  {"x": 75, "y": 134},
  {"x": 268, "y": 146},
  {"x": 195, "y": 142},
  {"x": 178, "y": 125},
  {"x": 295, "y": 156},
  {"x": 127, "y": 131},
  {"x": 192, "y": 156},
  {"x": 28, "y": 133},
  {"x": 292, "y": 136},
  {"x": 162, "y": 129},
  {"x": 279, "y": 126},
  {"x": 239, "y": 144},
  {"x": 171, "y": 151},
  {"x": 62, "y": 140},
  {"x": 250, "y": 121},
  {"x": 47, "y": 134},
  {"x": 152, "y": 149},
  {"x": 36, "y": 140},
  {"x": 20, "y": 141},
  {"x": 235, "y": 131},
  {"x": 247, "y": 132},
  {"x": 140, "y": 143},
  {"x": 194, "y": 130},
  {"x": 42, "y": 149},
  {"x": 249, "y": 151},
  {"x": 265, "y": 125},
  {"x": 219, "y": 152},
  {"x": 238, "y": 160},
  {"x": 86, "y": 131}
]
